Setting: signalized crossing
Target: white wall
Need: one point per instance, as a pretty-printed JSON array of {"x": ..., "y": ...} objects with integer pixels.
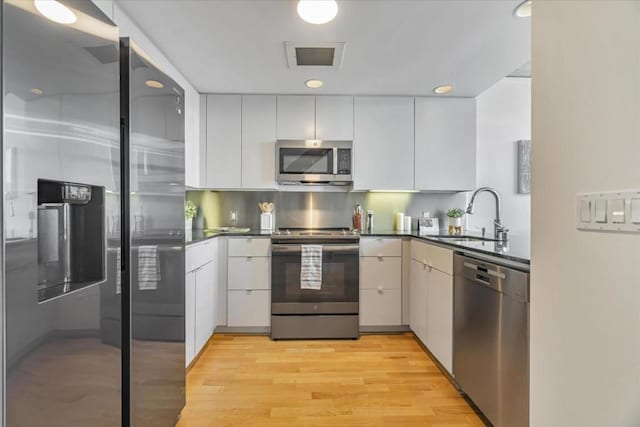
[
  {"x": 193, "y": 145},
  {"x": 585, "y": 286},
  {"x": 503, "y": 117}
]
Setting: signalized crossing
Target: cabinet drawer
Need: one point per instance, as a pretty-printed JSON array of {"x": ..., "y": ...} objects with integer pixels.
[
  {"x": 249, "y": 273},
  {"x": 380, "y": 273},
  {"x": 250, "y": 246},
  {"x": 434, "y": 256},
  {"x": 380, "y": 307},
  {"x": 380, "y": 246},
  {"x": 198, "y": 254},
  {"x": 249, "y": 308}
]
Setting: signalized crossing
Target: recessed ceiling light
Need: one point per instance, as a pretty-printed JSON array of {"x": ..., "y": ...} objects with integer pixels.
[
  {"x": 317, "y": 11},
  {"x": 36, "y": 91},
  {"x": 443, "y": 89},
  {"x": 55, "y": 11},
  {"x": 314, "y": 84},
  {"x": 154, "y": 84},
  {"x": 523, "y": 10}
]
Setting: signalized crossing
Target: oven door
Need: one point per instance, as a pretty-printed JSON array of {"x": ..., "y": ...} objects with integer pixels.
[{"x": 339, "y": 292}]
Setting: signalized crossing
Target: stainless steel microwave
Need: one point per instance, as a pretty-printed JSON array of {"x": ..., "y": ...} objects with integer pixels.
[{"x": 314, "y": 162}]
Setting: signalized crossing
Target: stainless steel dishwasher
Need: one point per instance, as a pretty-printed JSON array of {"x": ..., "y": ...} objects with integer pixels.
[{"x": 491, "y": 339}]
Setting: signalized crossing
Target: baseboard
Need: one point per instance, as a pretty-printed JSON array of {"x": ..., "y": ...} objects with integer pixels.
[
  {"x": 249, "y": 330},
  {"x": 383, "y": 329}
]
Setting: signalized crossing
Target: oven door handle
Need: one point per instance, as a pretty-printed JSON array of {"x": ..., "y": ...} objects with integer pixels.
[{"x": 331, "y": 248}]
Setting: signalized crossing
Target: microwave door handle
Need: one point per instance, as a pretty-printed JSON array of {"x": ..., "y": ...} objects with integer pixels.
[{"x": 335, "y": 160}]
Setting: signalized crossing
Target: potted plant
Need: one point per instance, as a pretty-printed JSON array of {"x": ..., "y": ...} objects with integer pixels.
[
  {"x": 190, "y": 212},
  {"x": 455, "y": 220}
]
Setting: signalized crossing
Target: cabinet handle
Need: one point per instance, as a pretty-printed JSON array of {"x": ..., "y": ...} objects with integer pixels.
[
  {"x": 380, "y": 290},
  {"x": 248, "y": 291},
  {"x": 248, "y": 258},
  {"x": 380, "y": 258}
]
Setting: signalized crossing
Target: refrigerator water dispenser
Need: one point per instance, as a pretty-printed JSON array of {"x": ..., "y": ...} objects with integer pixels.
[{"x": 71, "y": 237}]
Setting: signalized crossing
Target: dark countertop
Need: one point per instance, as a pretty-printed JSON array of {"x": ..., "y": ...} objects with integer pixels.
[
  {"x": 200, "y": 235},
  {"x": 518, "y": 248}
]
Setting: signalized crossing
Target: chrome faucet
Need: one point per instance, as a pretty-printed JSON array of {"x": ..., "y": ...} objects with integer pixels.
[{"x": 499, "y": 231}]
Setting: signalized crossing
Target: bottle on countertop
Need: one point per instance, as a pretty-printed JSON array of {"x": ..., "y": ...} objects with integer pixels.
[
  {"x": 357, "y": 217},
  {"x": 369, "y": 221}
]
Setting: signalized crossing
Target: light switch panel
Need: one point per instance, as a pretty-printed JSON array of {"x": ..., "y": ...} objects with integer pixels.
[
  {"x": 601, "y": 210},
  {"x": 635, "y": 211},
  {"x": 617, "y": 214},
  {"x": 610, "y": 212},
  {"x": 585, "y": 211}
]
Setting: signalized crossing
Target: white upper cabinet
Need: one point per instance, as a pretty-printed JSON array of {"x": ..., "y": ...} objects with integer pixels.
[
  {"x": 334, "y": 118},
  {"x": 258, "y": 141},
  {"x": 383, "y": 143},
  {"x": 296, "y": 117},
  {"x": 224, "y": 150},
  {"x": 445, "y": 144},
  {"x": 195, "y": 141}
]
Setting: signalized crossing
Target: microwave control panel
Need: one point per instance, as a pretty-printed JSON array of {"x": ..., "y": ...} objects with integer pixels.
[{"x": 344, "y": 161}]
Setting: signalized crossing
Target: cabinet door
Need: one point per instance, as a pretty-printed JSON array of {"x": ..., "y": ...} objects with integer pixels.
[
  {"x": 205, "y": 304},
  {"x": 224, "y": 151},
  {"x": 440, "y": 317},
  {"x": 383, "y": 143},
  {"x": 258, "y": 141},
  {"x": 334, "y": 118},
  {"x": 445, "y": 144},
  {"x": 190, "y": 317},
  {"x": 249, "y": 308},
  {"x": 296, "y": 117},
  {"x": 195, "y": 139},
  {"x": 418, "y": 301},
  {"x": 380, "y": 307}
]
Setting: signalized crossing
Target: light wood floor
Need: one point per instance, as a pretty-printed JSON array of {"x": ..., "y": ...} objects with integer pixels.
[{"x": 378, "y": 380}]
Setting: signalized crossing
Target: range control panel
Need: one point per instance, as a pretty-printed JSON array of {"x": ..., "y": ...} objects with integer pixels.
[{"x": 615, "y": 211}]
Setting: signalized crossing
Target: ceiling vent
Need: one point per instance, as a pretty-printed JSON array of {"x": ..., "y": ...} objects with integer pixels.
[{"x": 314, "y": 55}]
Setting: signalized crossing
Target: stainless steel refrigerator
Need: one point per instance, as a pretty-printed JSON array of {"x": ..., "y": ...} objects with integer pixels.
[{"x": 93, "y": 242}]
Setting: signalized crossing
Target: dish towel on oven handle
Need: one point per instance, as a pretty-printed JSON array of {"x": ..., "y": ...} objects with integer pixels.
[{"x": 311, "y": 267}]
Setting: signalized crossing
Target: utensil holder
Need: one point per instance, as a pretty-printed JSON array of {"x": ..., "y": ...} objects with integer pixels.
[{"x": 266, "y": 221}]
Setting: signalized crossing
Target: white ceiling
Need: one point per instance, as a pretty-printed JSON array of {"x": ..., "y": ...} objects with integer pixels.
[{"x": 394, "y": 47}]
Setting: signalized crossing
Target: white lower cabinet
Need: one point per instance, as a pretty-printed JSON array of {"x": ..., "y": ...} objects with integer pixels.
[
  {"x": 418, "y": 301},
  {"x": 431, "y": 304},
  {"x": 190, "y": 317},
  {"x": 249, "y": 282},
  {"x": 440, "y": 317},
  {"x": 249, "y": 308},
  {"x": 205, "y": 304},
  {"x": 380, "y": 282},
  {"x": 380, "y": 307},
  {"x": 200, "y": 296}
]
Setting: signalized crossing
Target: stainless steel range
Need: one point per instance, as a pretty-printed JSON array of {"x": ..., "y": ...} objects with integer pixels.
[{"x": 328, "y": 310}]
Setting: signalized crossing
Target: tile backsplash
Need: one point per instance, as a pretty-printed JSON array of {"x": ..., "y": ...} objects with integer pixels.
[{"x": 319, "y": 209}]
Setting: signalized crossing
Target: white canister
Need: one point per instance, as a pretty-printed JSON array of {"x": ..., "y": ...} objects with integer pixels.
[
  {"x": 399, "y": 221},
  {"x": 407, "y": 224},
  {"x": 266, "y": 221}
]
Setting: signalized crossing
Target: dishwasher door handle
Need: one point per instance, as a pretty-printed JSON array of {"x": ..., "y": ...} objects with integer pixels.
[{"x": 493, "y": 273}]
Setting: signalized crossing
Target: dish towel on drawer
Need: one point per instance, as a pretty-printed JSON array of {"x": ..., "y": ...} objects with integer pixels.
[
  {"x": 311, "y": 267},
  {"x": 148, "y": 268}
]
